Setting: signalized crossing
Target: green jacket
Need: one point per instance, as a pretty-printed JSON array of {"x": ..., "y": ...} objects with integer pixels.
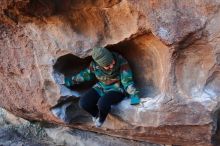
[{"x": 123, "y": 82}]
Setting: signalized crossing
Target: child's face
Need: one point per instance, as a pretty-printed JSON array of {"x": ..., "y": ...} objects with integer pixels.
[{"x": 109, "y": 67}]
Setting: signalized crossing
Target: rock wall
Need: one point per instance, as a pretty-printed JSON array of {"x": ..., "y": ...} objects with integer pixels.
[
  {"x": 17, "y": 131},
  {"x": 173, "y": 48}
]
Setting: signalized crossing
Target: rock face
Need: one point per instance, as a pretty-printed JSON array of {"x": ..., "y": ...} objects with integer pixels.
[
  {"x": 173, "y": 48},
  {"x": 17, "y": 131},
  {"x": 75, "y": 137}
]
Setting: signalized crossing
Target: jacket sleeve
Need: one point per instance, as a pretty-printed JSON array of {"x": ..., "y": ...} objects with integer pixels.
[
  {"x": 84, "y": 75},
  {"x": 127, "y": 79}
]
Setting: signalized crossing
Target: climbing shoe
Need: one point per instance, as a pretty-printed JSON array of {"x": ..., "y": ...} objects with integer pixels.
[
  {"x": 94, "y": 119},
  {"x": 98, "y": 123}
]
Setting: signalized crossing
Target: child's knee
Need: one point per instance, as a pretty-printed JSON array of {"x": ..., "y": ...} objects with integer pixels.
[{"x": 103, "y": 105}]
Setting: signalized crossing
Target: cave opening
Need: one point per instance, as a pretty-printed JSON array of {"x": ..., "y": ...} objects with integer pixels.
[
  {"x": 142, "y": 59},
  {"x": 141, "y": 54},
  {"x": 70, "y": 65}
]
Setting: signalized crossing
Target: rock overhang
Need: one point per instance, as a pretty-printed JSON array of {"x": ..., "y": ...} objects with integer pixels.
[{"x": 183, "y": 71}]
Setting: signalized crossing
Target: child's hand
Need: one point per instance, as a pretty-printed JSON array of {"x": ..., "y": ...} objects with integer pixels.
[
  {"x": 135, "y": 100},
  {"x": 68, "y": 81}
]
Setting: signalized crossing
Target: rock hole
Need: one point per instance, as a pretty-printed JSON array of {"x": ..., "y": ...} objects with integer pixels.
[
  {"x": 142, "y": 55},
  {"x": 67, "y": 108},
  {"x": 70, "y": 65},
  {"x": 143, "y": 62}
]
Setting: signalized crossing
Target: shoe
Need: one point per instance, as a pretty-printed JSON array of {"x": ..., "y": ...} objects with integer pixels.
[
  {"x": 98, "y": 123},
  {"x": 94, "y": 119}
]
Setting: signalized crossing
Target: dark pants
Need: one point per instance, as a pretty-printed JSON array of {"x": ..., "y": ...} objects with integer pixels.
[{"x": 99, "y": 106}]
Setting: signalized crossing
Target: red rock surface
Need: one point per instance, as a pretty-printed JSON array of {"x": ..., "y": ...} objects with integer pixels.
[{"x": 172, "y": 46}]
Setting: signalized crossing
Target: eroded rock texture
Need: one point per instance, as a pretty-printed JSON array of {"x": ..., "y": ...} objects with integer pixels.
[{"x": 173, "y": 47}]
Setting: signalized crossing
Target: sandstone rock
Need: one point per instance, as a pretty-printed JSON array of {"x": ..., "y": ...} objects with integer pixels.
[
  {"x": 15, "y": 131},
  {"x": 172, "y": 46},
  {"x": 74, "y": 137}
]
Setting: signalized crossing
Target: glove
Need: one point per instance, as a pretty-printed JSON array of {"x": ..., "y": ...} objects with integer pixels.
[
  {"x": 135, "y": 100},
  {"x": 68, "y": 81}
]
